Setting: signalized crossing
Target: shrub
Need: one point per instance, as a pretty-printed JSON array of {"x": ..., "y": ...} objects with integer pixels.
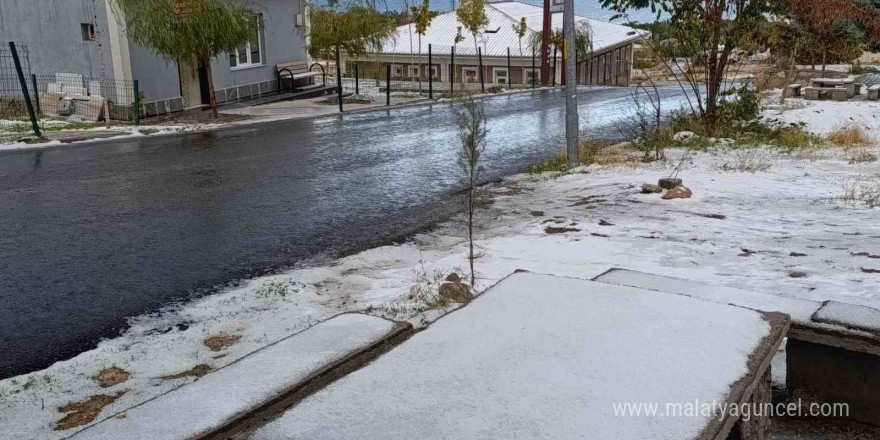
[
  {"x": 857, "y": 68},
  {"x": 653, "y": 144},
  {"x": 748, "y": 160},
  {"x": 862, "y": 156},
  {"x": 849, "y": 136},
  {"x": 792, "y": 139},
  {"x": 557, "y": 164}
]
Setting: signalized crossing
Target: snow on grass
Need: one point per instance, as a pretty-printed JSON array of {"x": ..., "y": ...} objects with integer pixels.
[
  {"x": 244, "y": 385},
  {"x": 785, "y": 231},
  {"x": 824, "y": 117},
  {"x": 125, "y": 132},
  {"x": 552, "y": 357}
]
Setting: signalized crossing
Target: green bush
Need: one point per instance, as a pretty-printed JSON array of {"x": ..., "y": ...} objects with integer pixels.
[{"x": 857, "y": 68}]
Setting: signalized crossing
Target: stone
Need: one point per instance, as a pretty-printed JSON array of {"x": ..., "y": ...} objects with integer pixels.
[
  {"x": 650, "y": 188},
  {"x": 679, "y": 192},
  {"x": 669, "y": 183},
  {"x": 684, "y": 136},
  {"x": 456, "y": 292}
]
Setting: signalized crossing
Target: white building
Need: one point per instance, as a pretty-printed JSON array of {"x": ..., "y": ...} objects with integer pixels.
[{"x": 609, "y": 64}]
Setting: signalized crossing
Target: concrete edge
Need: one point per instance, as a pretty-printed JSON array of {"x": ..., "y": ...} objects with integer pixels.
[
  {"x": 816, "y": 332},
  {"x": 758, "y": 363},
  {"x": 243, "y": 424}
]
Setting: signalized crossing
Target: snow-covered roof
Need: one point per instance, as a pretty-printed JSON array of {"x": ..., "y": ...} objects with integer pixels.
[{"x": 499, "y": 34}]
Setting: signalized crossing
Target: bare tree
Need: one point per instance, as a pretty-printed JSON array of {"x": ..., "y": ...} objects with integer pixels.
[{"x": 472, "y": 133}]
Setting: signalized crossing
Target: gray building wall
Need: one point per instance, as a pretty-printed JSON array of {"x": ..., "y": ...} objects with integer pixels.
[
  {"x": 52, "y": 31},
  {"x": 157, "y": 77},
  {"x": 283, "y": 43}
]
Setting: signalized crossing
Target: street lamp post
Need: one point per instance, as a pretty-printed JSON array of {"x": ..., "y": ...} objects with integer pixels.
[{"x": 571, "y": 110}]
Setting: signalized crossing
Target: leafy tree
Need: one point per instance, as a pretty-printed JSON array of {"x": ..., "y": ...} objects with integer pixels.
[
  {"x": 355, "y": 31},
  {"x": 840, "y": 27},
  {"x": 422, "y": 17},
  {"x": 472, "y": 14},
  {"x": 192, "y": 31},
  {"x": 717, "y": 33},
  {"x": 521, "y": 29},
  {"x": 711, "y": 30},
  {"x": 583, "y": 41}
]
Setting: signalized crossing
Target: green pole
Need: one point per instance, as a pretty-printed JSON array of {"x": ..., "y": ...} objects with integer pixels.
[{"x": 24, "y": 89}]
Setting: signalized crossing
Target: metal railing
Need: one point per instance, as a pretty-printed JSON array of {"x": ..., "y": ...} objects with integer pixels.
[{"x": 32, "y": 103}]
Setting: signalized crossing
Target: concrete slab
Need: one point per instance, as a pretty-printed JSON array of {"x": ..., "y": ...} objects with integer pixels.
[
  {"x": 849, "y": 315},
  {"x": 832, "y": 350},
  {"x": 804, "y": 327},
  {"x": 541, "y": 356},
  {"x": 255, "y": 386}
]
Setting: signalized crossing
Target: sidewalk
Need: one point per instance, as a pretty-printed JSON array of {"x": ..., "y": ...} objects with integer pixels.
[{"x": 236, "y": 114}]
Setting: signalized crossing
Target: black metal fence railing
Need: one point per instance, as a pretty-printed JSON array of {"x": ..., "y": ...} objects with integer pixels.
[{"x": 32, "y": 103}]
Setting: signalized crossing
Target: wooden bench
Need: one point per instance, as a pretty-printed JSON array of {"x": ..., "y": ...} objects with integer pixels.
[
  {"x": 874, "y": 92},
  {"x": 793, "y": 90},
  {"x": 293, "y": 71}
]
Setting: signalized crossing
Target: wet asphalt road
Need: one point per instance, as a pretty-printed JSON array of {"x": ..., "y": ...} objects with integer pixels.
[{"x": 94, "y": 233}]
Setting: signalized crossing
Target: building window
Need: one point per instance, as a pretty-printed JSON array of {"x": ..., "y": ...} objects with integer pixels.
[
  {"x": 396, "y": 71},
  {"x": 88, "y": 32},
  {"x": 500, "y": 76},
  {"x": 413, "y": 71},
  {"x": 470, "y": 74},
  {"x": 435, "y": 72},
  {"x": 251, "y": 53},
  {"x": 532, "y": 76}
]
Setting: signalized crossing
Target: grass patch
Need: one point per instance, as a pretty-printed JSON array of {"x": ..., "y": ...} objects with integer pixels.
[
  {"x": 221, "y": 341},
  {"x": 423, "y": 295},
  {"x": 197, "y": 371},
  {"x": 849, "y": 137},
  {"x": 750, "y": 160},
  {"x": 862, "y": 156},
  {"x": 82, "y": 413},
  {"x": 111, "y": 376},
  {"x": 589, "y": 152},
  {"x": 278, "y": 289},
  {"x": 862, "y": 189}
]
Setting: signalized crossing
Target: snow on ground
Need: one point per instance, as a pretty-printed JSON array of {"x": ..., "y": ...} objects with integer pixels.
[
  {"x": 574, "y": 347},
  {"x": 125, "y": 131},
  {"x": 785, "y": 231},
  {"x": 244, "y": 385},
  {"x": 823, "y": 117}
]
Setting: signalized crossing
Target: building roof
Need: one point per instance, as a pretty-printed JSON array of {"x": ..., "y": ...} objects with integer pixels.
[{"x": 499, "y": 34}]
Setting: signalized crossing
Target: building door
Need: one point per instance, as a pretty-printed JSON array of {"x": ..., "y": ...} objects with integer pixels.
[
  {"x": 203, "y": 85},
  {"x": 190, "y": 85}
]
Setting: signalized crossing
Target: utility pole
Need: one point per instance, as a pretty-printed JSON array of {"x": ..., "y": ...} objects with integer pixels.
[
  {"x": 571, "y": 108},
  {"x": 545, "y": 45}
]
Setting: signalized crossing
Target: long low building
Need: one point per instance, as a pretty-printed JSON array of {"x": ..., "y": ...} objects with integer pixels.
[{"x": 504, "y": 63}]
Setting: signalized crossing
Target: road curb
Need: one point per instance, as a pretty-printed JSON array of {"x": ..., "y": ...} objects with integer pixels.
[{"x": 242, "y": 424}]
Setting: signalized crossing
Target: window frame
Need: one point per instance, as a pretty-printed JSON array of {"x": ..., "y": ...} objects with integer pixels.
[
  {"x": 506, "y": 71},
  {"x": 396, "y": 71},
  {"x": 410, "y": 69},
  {"x": 248, "y": 52},
  {"x": 465, "y": 70},
  {"x": 527, "y": 71},
  {"x": 435, "y": 72}
]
